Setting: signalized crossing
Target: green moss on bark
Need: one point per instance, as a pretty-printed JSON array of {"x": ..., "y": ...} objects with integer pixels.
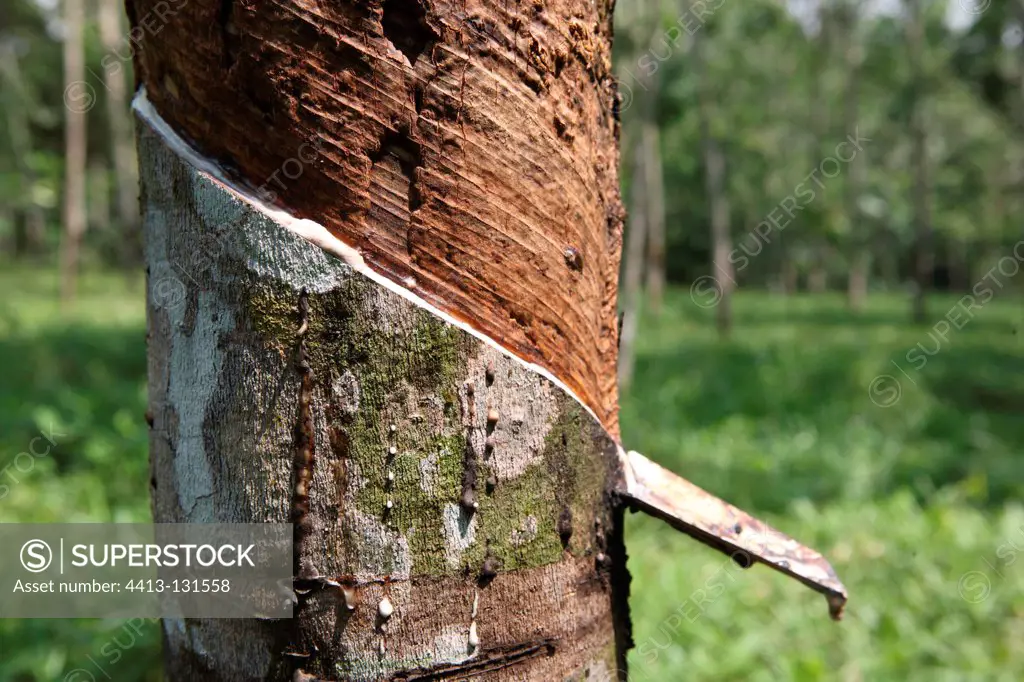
[
  {"x": 394, "y": 362},
  {"x": 420, "y": 498},
  {"x": 417, "y": 358},
  {"x": 569, "y": 473}
]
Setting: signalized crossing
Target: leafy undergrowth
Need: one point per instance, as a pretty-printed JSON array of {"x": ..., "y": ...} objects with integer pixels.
[
  {"x": 912, "y": 501},
  {"x": 908, "y": 488},
  {"x": 73, "y": 396}
]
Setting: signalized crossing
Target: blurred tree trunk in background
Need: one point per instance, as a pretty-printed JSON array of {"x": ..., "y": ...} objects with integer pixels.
[
  {"x": 789, "y": 274},
  {"x": 923, "y": 249},
  {"x": 645, "y": 240},
  {"x": 28, "y": 216},
  {"x": 1019, "y": 203},
  {"x": 78, "y": 99},
  {"x": 817, "y": 273},
  {"x": 122, "y": 143},
  {"x": 786, "y": 240},
  {"x": 858, "y": 232},
  {"x": 718, "y": 201},
  {"x": 654, "y": 185},
  {"x": 97, "y": 201},
  {"x": 632, "y": 277},
  {"x": 1020, "y": 63},
  {"x": 960, "y": 265}
]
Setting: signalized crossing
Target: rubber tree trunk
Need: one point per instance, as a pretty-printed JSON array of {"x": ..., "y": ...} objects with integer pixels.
[
  {"x": 821, "y": 126},
  {"x": 858, "y": 232},
  {"x": 773, "y": 186},
  {"x": 654, "y": 181},
  {"x": 857, "y": 285},
  {"x": 29, "y": 217},
  {"x": 465, "y": 149},
  {"x": 923, "y": 249},
  {"x": 78, "y": 99},
  {"x": 97, "y": 185},
  {"x": 1019, "y": 170},
  {"x": 366, "y": 342},
  {"x": 632, "y": 276},
  {"x": 718, "y": 200},
  {"x": 789, "y": 275},
  {"x": 817, "y": 275},
  {"x": 646, "y": 233},
  {"x": 442, "y": 474},
  {"x": 122, "y": 147}
]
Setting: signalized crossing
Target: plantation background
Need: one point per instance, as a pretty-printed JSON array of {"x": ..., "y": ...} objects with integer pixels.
[
  {"x": 916, "y": 504},
  {"x": 851, "y": 370}
]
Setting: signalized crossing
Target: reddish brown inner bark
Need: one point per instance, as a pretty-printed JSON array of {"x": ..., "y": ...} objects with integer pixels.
[{"x": 465, "y": 148}]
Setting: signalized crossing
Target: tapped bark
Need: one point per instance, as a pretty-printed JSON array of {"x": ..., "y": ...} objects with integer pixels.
[
  {"x": 390, "y": 386},
  {"x": 469, "y": 149},
  {"x": 457, "y": 511},
  {"x": 443, "y": 475}
]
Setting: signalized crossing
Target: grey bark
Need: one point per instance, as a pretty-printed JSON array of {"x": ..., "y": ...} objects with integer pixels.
[{"x": 444, "y": 474}]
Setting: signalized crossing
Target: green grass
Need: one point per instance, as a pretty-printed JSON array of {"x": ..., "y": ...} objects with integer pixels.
[
  {"x": 78, "y": 378},
  {"x": 914, "y": 503}
]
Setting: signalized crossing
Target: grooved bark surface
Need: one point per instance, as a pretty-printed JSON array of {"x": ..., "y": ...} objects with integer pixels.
[
  {"x": 466, "y": 148},
  {"x": 526, "y": 552}
]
